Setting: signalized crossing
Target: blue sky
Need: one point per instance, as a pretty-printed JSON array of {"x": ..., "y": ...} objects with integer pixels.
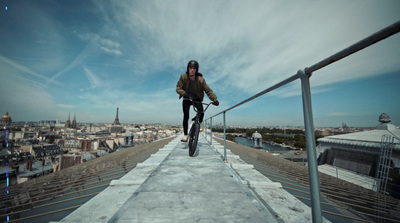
[{"x": 90, "y": 57}]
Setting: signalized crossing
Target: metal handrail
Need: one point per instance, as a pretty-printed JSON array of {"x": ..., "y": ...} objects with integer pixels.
[{"x": 304, "y": 76}]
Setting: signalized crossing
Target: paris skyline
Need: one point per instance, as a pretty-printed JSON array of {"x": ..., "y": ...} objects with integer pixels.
[{"x": 91, "y": 57}]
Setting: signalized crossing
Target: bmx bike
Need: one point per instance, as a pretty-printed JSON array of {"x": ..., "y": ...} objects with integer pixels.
[{"x": 195, "y": 129}]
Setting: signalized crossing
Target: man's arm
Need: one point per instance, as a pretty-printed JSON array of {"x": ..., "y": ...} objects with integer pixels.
[
  {"x": 179, "y": 87},
  {"x": 209, "y": 92}
]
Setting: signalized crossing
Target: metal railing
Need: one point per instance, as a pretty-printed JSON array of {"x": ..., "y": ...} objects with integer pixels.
[{"x": 304, "y": 76}]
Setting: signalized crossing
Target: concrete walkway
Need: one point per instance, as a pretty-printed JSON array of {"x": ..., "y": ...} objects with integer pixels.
[{"x": 172, "y": 187}]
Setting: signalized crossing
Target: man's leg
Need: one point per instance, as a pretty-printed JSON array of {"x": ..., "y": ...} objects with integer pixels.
[
  {"x": 200, "y": 108},
  {"x": 185, "y": 108}
]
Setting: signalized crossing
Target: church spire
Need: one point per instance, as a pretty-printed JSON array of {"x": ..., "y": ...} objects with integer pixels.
[
  {"x": 116, "y": 121},
  {"x": 68, "y": 124},
  {"x": 74, "y": 122}
]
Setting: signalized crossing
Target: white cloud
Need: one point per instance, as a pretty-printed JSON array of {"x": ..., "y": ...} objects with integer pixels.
[
  {"x": 24, "y": 99},
  {"x": 94, "y": 81},
  {"x": 82, "y": 56},
  {"x": 33, "y": 37},
  {"x": 243, "y": 48},
  {"x": 94, "y": 43},
  {"x": 254, "y": 44},
  {"x": 20, "y": 67},
  {"x": 110, "y": 46},
  {"x": 112, "y": 51},
  {"x": 133, "y": 105}
]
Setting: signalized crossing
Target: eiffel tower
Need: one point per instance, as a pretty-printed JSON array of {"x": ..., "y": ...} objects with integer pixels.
[{"x": 116, "y": 121}]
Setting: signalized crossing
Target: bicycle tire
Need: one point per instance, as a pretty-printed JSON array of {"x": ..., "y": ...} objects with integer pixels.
[
  {"x": 194, "y": 138},
  {"x": 191, "y": 131}
]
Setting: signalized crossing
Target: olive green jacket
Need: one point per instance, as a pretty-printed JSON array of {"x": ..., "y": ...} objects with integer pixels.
[{"x": 201, "y": 87}]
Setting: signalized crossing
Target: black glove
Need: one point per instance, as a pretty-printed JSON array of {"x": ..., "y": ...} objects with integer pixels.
[
  {"x": 185, "y": 95},
  {"x": 216, "y": 102}
]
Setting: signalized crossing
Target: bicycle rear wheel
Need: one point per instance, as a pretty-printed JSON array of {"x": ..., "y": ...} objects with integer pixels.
[{"x": 194, "y": 137}]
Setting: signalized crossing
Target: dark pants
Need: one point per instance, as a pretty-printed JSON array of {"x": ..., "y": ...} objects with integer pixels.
[{"x": 186, "y": 107}]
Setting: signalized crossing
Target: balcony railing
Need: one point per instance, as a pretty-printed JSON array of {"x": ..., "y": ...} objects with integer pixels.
[{"x": 304, "y": 76}]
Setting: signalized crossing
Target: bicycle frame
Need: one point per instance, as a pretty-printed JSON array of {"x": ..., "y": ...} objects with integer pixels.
[{"x": 195, "y": 129}]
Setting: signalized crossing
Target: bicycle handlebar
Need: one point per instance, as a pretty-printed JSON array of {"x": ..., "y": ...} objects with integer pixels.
[{"x": 194, "y": 107}]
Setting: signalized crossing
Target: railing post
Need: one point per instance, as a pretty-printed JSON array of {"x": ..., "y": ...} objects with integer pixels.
[
  {"x": 310, "y": 144},
  {"x": 224, "y": 137},
  {"x": 205, "y": 128},
  {"x": 211, "y": 131}
]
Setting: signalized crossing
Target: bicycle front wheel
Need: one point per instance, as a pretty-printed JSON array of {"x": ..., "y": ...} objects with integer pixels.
[
  {"x": 194, "y": 137},
  {"x": 191, "y": 132}
]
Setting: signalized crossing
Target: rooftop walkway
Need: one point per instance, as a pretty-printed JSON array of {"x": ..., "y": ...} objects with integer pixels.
[{"x": 170, "y": 186}]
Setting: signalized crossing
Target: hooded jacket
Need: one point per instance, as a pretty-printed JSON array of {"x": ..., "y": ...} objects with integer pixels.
[{"x": 200, "y": 84}]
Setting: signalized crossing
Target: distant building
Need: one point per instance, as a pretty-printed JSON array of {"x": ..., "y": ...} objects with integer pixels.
[
  {"x": 70, "y": 144},
  {"x": 74, "y": 122},
  {"x": 69, "y": 160},
  {"x": 86, "y": 145},
  {"x": 6, "y": 119},
  {"x": 257, "y": 140},
  {"x": 116, "y": 127},
  {"x": 129, "y": 139},
  {"x": 68, "y": 123},
  {"x": 360, "y": 151},
  {"x": 21, "y": 135},
  {"x": 48, "y": 122},
  {"x": 61, "y": 143},
  {"x": 47, "y": 150},
  {"x": 116, "y": 121}
]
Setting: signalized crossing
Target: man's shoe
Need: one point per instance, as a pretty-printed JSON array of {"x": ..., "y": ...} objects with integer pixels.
[
  {"x": 184, "y": 139},
  {"x": 201, "y": 130}
]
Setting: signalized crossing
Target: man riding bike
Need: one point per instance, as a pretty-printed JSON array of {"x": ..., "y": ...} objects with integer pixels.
[{"x": 191, "y": 84}]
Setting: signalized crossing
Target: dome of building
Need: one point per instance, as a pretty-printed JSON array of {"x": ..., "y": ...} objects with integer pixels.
[
  {"x": 256, "y": 135},
  {"x": 6, "y": 119},
  {"x": 384, "y": 118}
]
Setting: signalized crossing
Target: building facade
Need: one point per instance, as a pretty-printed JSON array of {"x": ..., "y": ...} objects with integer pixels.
[{"x": 360, "y": 152}]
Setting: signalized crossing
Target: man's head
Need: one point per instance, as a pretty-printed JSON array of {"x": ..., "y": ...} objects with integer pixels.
[{"x": 192, "y": 69}]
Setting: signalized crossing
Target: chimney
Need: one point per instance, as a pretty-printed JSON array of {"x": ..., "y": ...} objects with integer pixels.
[{"x": 29, "y": 165}]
